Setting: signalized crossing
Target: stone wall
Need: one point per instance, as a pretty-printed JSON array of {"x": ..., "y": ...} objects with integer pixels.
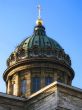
[
  {"x": 56, "y": 96},
  {"x": 70, "y": 102},
  {"x": 69, "y": 97},
  {"x": 8, "y": 102},
  {"x": 48, "y": 102}
]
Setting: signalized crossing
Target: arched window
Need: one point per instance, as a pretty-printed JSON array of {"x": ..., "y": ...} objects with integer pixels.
[
  {"x": 35, "y": 84},
  {"x": 23, "y": 86},
  {"x": 48, "y": 80}
]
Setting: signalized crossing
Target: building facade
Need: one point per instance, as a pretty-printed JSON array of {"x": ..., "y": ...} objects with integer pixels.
[{"x": 39, "y": 76}]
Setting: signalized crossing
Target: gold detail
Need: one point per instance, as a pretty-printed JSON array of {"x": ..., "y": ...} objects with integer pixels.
[{"x": 39, "y": 21}]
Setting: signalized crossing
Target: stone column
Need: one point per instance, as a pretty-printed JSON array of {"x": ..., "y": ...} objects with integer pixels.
[
  {"x": 42, "y": 78},
  {"x": 17, "y": 84},
  {"x": 28, "y": 91},
  {"x": 9, "y": 86}
]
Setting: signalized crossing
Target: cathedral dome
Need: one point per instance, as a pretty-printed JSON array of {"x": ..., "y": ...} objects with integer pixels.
[
  {"x": 38, "y": 59},
  {"x": 38, "y": 45},
  {"x": 35, "y": 63}
]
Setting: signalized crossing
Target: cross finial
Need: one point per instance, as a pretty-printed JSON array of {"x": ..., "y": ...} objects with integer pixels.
[
  {"x": 39, "y": 11},
  {"x": 39, "y": 20}
]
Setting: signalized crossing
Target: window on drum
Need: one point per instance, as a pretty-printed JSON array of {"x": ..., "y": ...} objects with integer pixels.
[
  {"x": 23, "y": 86},
  {"x": 48, "y": 80},
  {"x": 35, "y": 84}
]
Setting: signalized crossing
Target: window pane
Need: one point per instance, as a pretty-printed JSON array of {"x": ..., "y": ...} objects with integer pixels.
[
  {"x": 23, "y": 86},
  {"x": 35, "y": 84},
  {"x": 48, "y": 80}
]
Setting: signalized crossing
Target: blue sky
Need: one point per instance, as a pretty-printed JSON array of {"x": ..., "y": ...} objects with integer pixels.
[{"x": 63, "y": 22}]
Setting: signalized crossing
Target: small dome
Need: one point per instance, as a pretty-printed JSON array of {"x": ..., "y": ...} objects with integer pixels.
[{"x": 38, "y": 45}]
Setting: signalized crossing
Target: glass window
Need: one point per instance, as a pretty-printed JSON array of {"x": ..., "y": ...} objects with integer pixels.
[
  {"x": 48, "y": 80},
  {"x": 35, "y": 84},
  {"x": 23, "y": 86}
]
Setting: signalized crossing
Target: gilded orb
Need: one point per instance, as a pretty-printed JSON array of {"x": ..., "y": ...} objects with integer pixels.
[{"x": 39, "y": 22}]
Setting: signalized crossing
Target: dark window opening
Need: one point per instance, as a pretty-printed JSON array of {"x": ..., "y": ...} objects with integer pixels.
[
  {"x": 35, "y": 84},
  {"x": 23, "y": 86},
  {"x": 48, "y": 80}
]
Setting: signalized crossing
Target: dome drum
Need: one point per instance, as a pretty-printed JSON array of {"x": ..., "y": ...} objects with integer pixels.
[{"x": 36, "y": 68}]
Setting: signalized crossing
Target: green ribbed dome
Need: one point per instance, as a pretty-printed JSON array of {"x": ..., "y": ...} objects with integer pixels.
[
  {"x": 39, "y": 45},
  {"x": 40, "y": 40}
]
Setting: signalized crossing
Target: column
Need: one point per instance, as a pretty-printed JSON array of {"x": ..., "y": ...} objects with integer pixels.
[
  {"x": 17, "y": 85},
  {"x": 42, "y": 78},
  {"x": 9, "y": 86},
  {"x": 28, "y": 91}
]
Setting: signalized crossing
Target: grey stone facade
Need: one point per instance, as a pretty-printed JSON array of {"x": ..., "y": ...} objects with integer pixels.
[
  {"x": 8, "y": 102},
  {"x": 56, "y": 96}
]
